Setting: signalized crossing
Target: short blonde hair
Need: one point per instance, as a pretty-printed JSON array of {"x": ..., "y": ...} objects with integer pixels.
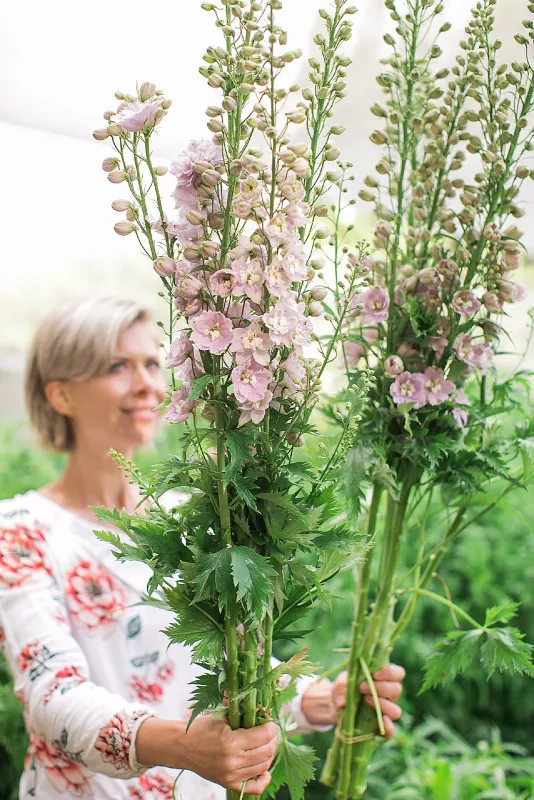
[{"x": 74, "y": 342}]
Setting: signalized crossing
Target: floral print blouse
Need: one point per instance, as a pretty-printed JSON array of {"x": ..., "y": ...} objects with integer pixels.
[{"x": 89, "y": 664}]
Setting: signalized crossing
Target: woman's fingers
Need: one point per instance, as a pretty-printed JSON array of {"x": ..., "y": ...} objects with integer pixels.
[
  {"x": 254, "y": 786},
  {"x": 386, "y": 706},
  {"x": 393, "y": 672},
  {"x": 389, "y": 728},
  {"x": 261, "y": 754},
  {"x": 391, "y": 690}
]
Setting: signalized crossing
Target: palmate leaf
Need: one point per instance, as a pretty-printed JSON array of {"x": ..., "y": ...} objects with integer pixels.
[
  {"x": 451, "y": 656},
  {"x": 505, "y": 651},
  {"x": 252, "y": 575},
  {"x": 195, "y": 627},
  {"x": 238, "y": 444},
  {"x": 207, "y": 694},
  {"x": 294, "y": 767},
  {"x": 214, "y": 579},
  {"x": 296, "y": 666},
  {"x": 503, "y": 613}
]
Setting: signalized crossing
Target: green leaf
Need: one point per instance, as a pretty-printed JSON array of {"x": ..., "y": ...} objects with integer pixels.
[
  {"x": 281, "y": 500},
  {"x": 294, "y": 766},
  {"x": 294, "y": 667},
  {"x": 252, "y": 573},
  {"x": 243, "y": 488},
  {"x": 215, "y": 581},
  {"x": 238, "y": 444},
  {"x": 207, "y": 694},
  {"x": 503, "y": 613},
  {"x": 198, "y": 386},
  {"x": 504, "y": 650},
  {"x": 450, "y": 657}
]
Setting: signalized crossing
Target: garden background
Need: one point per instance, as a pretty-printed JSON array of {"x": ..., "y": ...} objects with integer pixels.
[{"x": 60, "y": 63}]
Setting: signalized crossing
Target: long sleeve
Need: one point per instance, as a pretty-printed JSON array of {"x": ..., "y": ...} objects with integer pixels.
[{"x": 65, "y": 711}]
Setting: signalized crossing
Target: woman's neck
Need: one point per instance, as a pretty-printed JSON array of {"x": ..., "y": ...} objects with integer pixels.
[{"x": 92, "y": 479}]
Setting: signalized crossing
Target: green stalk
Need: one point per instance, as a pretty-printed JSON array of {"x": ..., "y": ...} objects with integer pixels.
[
  {"x": 250, "y": 659},
  {"x": 339, "y": 753},
  {"x": 377, "y": 646}
]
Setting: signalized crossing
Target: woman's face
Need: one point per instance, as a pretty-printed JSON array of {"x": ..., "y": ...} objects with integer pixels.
[{"x": 116, "y": 409}]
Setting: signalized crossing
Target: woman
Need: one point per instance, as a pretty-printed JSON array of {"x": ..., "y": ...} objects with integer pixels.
[{"x": 104, "y": 696}]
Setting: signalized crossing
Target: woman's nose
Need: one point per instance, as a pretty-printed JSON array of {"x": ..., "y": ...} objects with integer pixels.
[{"x": 146, "y": 381}]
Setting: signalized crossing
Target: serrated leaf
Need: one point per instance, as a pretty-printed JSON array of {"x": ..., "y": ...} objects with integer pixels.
[
  {"x": 296, "y": 666},
  {"x": 214, "y": 579},
  {"x": 451, "y": 656},
  {"x": 505, "y": 651},
  {"x": 294, "y": 767},
  {"x": 252, "y": 573},
  {"x": 503, "y": 613},
  {"x": 238, "y": 444},
  {"x": 198, "y": 385},
  {"x": 244, "y": 488},
  {"x": 207, "y": 694}
]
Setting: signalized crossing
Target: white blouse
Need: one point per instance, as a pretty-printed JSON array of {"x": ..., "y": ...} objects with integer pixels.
[{"x": 89, "y": 664}]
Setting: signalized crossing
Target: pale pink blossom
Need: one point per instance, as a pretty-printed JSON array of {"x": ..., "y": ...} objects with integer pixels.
[
  {"x": 461, "y": 415},
  {"x": 511, "y": 261},
  {"x": 293, "y": 261},
  {"x": 493, "y": 302},
  {"x": 277, "y": 280},
  {"x": 297, "y": 214},
  {"x": 476, "y": 355},
  {"x": 249, "y": 279},
  {"x": 180, "y": 350},
  {"x": 375, "y": 303},
  {"x": 222, "y": 283},
  {"x": 292, "y": 188},
  {"x": 465, "y": 303},
  {"x": 180, "y": 407},
  {"x": 242, "y": 207},
  {"x": 279, "y": 229},
  {"x": 353, "y": 352},
  {"x": 250, "y": 381},
  {"x": 184, "y": 231},
  {"x": 212, "y": 331},
  {"x": 254, "y": 411},
  {"x": 294, "y": 370},
  {"x": 408, "y": 387},
  {"x": 393, "y": 366},
  {"x": 437, "y": 388},
  {"x": 511, "y": 292},
  {"x": 198, "y": 150},
  {"x": 251, "y": 342},
  {"x": 136, "y": 116}
]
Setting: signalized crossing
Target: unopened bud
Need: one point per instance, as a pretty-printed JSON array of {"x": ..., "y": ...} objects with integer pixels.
[
  {"x": 121, "y": 205},
  {"x": 114, "y": 130},
  {"x": 322, "y": 233},
  {"x": 296, "y": 117},
  {"x": 332, "y": 154},
  {"x": 194, "y": 217},
  {"x": 124, "y": 228},
  {"x": 164, "y": 266},
  {"x": 320, "y": 210},
  {"x": 109, "y": 164},
  {"x": 318, "y": 293},
  {"x": 146, "y": 91},
  {"x": 101, "y": 134},
  {"x": 117, "y": 176}
]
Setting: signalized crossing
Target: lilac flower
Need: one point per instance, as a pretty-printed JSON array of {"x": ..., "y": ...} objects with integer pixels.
[
  {"x": 251, "y": 382},
  {"x": 180, "y": 350},
  {"x": 437, "y": 389},
  {"x": 393, "y": 366},
  {"x": 251, "y": 342},
  {"x": 465, "y": 303},
  {"x": 180, "y": 407},
  {"x": 375, "y": 303},
  {"x": 212, "y": 331},
  {"x": 461, "y": 416},
  {"x": 222, "y": 283},
  {"x": 408, "y": 387},
  {"x": 254, "y": 411},
  {"x": 136, "y": 116}
]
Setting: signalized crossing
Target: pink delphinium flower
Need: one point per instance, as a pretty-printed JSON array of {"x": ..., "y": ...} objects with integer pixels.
[
  {"x": 511, "y": 292},
  {"x": 375, "y": 303},
  {"x": 297, "y": 214},
  {"x": 222, "y": 283},
  {"x": 290, "y": 187},
  {"x": 180, "y": 350},
  {"x": 437, "y": 389},
  {"x": 279, "y": 229},
  {"x": 277, "y": 280},
  {"x": 251, "y": 342},
  {"x": 408, "y": 387},
  {"x": 281, "y": 321},
  {"x": 136, "y": 116},
  {"x": 180, "y": 407},
  {"x": 461, "y": 415},
  {"x": 212, "y": 331},
  {"x": 393, "y": 366},
  {"x": 474, "y": 354},
  {"x": 254, "y": 411},
  {"x": 184, "y": 231},
  {"x": 249, "y": 279},
  {"x": 353, "y": 351},
  {"x": 294, "y": 380},
  {"x": 198, "y": 150},
  {"x": 493, "y": 302},
  {"x": 465, "y": 303},
  {"x": 293, "y": 262},
  {"x": 251, "y": 382}
]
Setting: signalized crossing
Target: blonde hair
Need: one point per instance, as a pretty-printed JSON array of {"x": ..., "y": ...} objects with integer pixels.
[{"x": 74, "y": 342}]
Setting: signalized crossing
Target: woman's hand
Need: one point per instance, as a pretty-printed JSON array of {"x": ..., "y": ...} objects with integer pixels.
[
  {"x": 212, "y": 750},
  {"x": 323, "y": 700}
]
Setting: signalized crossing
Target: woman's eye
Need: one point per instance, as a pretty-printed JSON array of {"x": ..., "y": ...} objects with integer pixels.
[
  {"x": 152, "y": 363},
  {"x": 116, "y": 366}
]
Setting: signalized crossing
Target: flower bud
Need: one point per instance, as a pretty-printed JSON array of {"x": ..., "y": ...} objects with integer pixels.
[
  {"x": 124, "y": 228},
  {"x": 114, "y": 130},
  {"x": 320, "y": 210},
  {"x": 121, "y": 205},
  {"x": 146, "y": 91},
  {"x": 315, "y": 309},
  {"x": 377, "y": 137},
  {"x": 296, "y": 117},
  {"x": 318, "y": 293},
  {"x": 166, "y": 104},
  {"x": 333, "y": 175},
  {"x": 332, "y": 154},
  {"x": 195, "y": 217},
  {"x": 117, "y": 176},
  {"x": 159, "y": 171},
  {"x": 210, "y": 177},
  {"x": 101, "y": 134},
  {"x": 109, "y": 164},
  {"x": 164, "y": 266},
  {"x": 317, "y": 263},
  {"x": 208, "y": 248},
  {"x": 294, "y": 439}
]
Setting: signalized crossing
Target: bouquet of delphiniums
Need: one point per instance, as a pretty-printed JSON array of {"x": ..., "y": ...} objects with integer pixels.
[
  {"x": 436, "y": 448},
  {"x": 242, "y": 559}
]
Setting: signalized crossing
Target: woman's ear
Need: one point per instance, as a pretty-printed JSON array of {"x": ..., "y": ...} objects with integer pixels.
[{"x": 58, "y": 395}]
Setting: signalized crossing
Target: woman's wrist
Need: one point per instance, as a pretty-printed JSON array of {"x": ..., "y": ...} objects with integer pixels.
[{"x": 161, "y": 743}]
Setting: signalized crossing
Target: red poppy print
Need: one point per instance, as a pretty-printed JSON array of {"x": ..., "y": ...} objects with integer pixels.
[
  {"x": 34, "y": 657},
  {"x": 22, "y": 554},
  {"x": 64, "y": 774},
  {"x": 144, "y": 691},
  {"x": 93, "y": 597},
  {"x": 64, "y": 679}
]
